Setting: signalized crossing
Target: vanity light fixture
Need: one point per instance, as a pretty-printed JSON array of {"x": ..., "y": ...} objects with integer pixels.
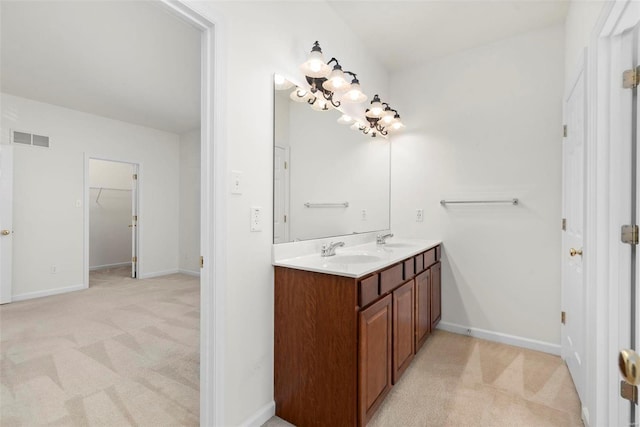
[{"x": 326, "y": 82}]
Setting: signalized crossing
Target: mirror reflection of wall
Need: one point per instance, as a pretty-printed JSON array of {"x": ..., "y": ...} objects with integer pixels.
[{"x": 320, "y": 162}]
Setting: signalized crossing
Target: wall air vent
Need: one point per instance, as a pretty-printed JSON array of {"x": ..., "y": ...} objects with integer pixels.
[{"x": 25, "y": 138}]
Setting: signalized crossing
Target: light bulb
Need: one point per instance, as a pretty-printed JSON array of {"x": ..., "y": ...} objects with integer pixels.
[
  {"x": 387, "y": 118},
  {"x": 315, "y": 66},
  {"x": 336, "y": 81},
  {"x": 376, "y": 108},
  {"x": 354, "y": 94}
]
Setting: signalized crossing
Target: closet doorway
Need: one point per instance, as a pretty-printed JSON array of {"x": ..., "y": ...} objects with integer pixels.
[{"x": 112, "y": 217}]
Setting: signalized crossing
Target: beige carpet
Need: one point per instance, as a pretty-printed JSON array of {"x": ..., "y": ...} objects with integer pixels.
[
  {"x": 461, "y": 381},
  {"x": 124, "y": 352}
]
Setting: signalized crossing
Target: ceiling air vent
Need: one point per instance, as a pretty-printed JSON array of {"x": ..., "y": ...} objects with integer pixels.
[{"x": 25, "y": 138}]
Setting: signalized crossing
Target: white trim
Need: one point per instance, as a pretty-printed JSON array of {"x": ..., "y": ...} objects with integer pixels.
[
  {"x": 261, "y": 416},
  {"x": 48, "y": 292},
  {"x": 105, "y": 266},
  {"x": 213, "y": 206},
  {"x": 189, "y": 272},
  {"x": 159, "y": 273},
  {"x": 514, "y": 340}
]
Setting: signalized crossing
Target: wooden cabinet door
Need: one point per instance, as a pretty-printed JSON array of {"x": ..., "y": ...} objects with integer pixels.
[
  {"x": 423, "y": 308},
  {"x": 436, "y": 295},
  {"x": 403, "y": 328},
  {"x": 374, "y": 357}
]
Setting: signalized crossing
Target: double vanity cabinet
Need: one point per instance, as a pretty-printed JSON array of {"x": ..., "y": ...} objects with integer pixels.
[{"x": 342, "y": 339}]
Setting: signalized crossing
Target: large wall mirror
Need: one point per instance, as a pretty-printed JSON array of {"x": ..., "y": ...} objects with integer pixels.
[{"x": 329, "y": 180}]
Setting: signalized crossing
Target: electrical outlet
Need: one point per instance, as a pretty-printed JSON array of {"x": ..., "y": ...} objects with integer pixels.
[
  {"x": 419, "y": 215},
  {"x": 236, "y": 182},
  {"x": 256, "y": 219},
  {"x": 363, "y": 214}
]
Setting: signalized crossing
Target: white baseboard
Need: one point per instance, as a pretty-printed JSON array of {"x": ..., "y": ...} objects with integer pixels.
[
  {"x": 261, "y": 416},
  {"x": 105, "y": 266},
  {"x": 48, "y": 292},
  {"x": 189, "y": 272},
  {"x": 501, "y": 338},
  {"x": 158, "y": 273}
]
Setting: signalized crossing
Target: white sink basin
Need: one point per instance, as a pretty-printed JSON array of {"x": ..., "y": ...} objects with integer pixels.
[{"x": 353, "y": 259}]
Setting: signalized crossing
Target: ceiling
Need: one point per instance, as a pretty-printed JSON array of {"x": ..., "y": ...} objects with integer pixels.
[
  {"x": 127, "y": 60},
  {"x": 402, "y": 34},
  {"x": 136, "y": 62}
]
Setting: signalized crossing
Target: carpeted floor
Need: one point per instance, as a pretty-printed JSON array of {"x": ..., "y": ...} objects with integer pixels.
[
  {"x": 123, "y": 352},
  {"x": 461, "y": 381}
]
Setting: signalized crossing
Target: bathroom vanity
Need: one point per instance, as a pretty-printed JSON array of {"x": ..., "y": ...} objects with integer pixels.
[{"x": 348, "y": 326}]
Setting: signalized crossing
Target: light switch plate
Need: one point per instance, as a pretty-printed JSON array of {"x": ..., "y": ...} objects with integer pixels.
[
  {"x": 236, "y": 182},
  {"x": 419, "y": 215}
]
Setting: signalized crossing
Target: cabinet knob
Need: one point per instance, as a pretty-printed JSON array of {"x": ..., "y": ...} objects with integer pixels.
[
  {"x": 5, "y": 232},
  {"x": 629, "y": 363},
  {"x": 574, "y": 252}
]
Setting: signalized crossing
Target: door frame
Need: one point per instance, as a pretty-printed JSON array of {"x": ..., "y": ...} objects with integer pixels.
[
  {"x": 602, "y": 232},
  {"x": 213, "y": 204},
  {"x": 6, "y": 170},
  {"x": 86, "y": 217}
]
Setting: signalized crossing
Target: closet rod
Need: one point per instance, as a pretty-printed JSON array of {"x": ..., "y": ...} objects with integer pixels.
[{"x": 327, "y": 205}]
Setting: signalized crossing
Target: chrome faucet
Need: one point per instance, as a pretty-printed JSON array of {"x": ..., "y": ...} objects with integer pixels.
[
  {"x": 381, "y": 239},
  {"x": 329, "y": 249}
]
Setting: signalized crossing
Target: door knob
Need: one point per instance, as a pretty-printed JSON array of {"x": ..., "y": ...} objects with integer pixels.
[
  {"x": 574, "y": 252},
  {"x": 629, "y": 363},
  {"x": 5, "y": 232}
]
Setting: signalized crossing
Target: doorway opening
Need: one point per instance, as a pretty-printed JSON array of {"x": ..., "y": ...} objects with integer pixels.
[{"x": 112, "y": 207}]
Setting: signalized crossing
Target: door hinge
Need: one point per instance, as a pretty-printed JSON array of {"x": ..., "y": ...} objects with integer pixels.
[
  {"x": 285, "y": 218},
  {"x": 563, "y": 317},
  {"x": 134, "y": 176},
  {"x": 631, "y": 78},
  {"x": 135, "y": 217},
  {"x": 134, "y": 259},
  {"x": 201, "y": 262},
  {"x": 286, "y": 165},
  {"x": 629, "y": 234},
  {"x": 629, "y": 392},
  {"x": 564, "y": 224},
  {"x": 564, "y": 131}
]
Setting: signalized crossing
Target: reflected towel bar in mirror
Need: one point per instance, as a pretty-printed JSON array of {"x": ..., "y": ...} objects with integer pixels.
[
  {"x": 513, "y": 201},
  {"x": 327, "y": 205}
]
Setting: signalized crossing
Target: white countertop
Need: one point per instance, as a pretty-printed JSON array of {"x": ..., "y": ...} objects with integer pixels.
[{"x": 381, "y": 256}]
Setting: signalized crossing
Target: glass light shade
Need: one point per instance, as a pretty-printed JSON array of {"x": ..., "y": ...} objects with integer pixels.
[
  {"x": 281, "y": 83},
  {"x": 375, "y": 110},
  {"x": 336, "y": 81},
  {"x": 321, "y": 105},
  {"x": 300, "y": 95},
  {"x": 315, "y": 65},
  {"x": 397, "y": 125},
  {"x": 354, "y": 94},
  {"x": 387, "y": 118},
  {"x": 345, "y": 119}
]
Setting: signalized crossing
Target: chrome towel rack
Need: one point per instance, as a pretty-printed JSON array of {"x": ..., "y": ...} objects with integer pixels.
[
  {"x": 513, "y": 201},
  {"x": 327, "y": 205}
]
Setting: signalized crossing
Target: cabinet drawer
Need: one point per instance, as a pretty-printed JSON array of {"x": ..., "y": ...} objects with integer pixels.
[
  {"x": 430, "y": 257},
  {"x": 391, "y": 278},
  {"x": 368, "y": 290},
  {"x": 409, "y": 269},
  {"x": 419, "y": 260}
]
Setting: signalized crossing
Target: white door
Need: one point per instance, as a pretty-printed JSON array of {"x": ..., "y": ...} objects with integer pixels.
[
  {"x": 134, "y": 222},
  {"x": 6, "y": 222},
  {"x": 573, "y": 283},
  {"x": 281, "y": 195}
]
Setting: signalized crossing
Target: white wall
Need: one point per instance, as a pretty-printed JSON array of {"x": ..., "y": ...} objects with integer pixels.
[
  {"x": 262, "y": 38},
  {"x": 49, "y": 191},
  {"x": 486, "y": 123},
  {"x": 189, "y": 250},
  {"x": 109, "y": 213}
]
